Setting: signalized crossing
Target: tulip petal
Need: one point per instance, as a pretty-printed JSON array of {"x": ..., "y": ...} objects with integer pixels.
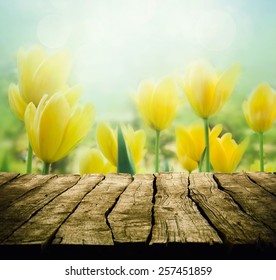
[
  {"x": 144, "y": 101},
  {"x": 199, "y": 85},
  {"x": 216, "y": 130},
  {"x": 226, "y": 153},
  {"x": 260, "y": 109},
  {"x": 188, "y": 164},
  {"x": 136, "y": 142},
  {"x": 197, "y": 134},
  {"x": 228, "y": 143},
  {"x": 106, "y": 139},
  {"x": 164, "y": 103},
  {"x": 92, "y": 161},
  {"x": 73, "y": 95},
  {"x": 29, "y": 117},
  {"x": 27, "y": 63},
  {"x": 218, "y": 156},
  {"x": 78, "y": 126},
  {"x": 17, "y": 104},
  {"x": 225, "y": 86},
  {"x": 158, "y": 104},
  {"x": 238, "y": 153},
  {"x": 50, "y": 77},
  {"x": 52, "y": 124},
  {"x": 183, "y": 141}
]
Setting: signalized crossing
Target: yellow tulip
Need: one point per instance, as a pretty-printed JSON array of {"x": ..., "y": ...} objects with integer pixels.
[
  {"x": 190, "y": 144},
  {"x": 93, "y": 161},
  {"x": 226, "y": 153},
  {"x": 206, "y": 90},
  {"x": 108, "y": 143},
  {"x": 158, "y": 103},
  {"x": 55, "y": 127},
  {"x": 39, "y": 74},
  {"x": 260, "y": 109},
  {"x": 260, "y": 113}
]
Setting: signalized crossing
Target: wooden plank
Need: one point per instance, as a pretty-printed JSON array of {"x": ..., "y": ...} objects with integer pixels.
[
  {"x": 16, "y": 188},
  {"x": 234, "y": 226},
  {"x": 88, "y": 223},
  {"x": 130, "y": 219},
  {"x": 266, "y": 180},
  {"x": 23, "y": 209},
  {"x": 41, "y": 227},
  {"x": 254, "y": 200},
  {"x": 176, "y": 217},
  {"x": 6, "y": 177}
]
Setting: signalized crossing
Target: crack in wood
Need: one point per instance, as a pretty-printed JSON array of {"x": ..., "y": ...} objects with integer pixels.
[
  {"x": 6, "y": 178},
  {"x": 53, "y": 235},
  {"x": 236, "y": 225},
  {"x": 31, "y": 185},
  {"x": 92, "y": 211},
  {"x": 177, "y": 219},
  {"x": 152, "y": 209},
  {"x": 204, "y": 215},
  {"x": 130, "y": 219},
  {"x": 220, "y": 187},
  {"x": 242, "y": 183},
  {"x": 253, "y": 178},
  {"x": 109, "y": 210},
  {"x": 34, "y": 213},
  {"x": 144, "y": 212}
]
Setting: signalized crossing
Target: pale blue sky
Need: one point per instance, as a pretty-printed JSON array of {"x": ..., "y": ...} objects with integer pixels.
[{"x": 116, "y": 44}]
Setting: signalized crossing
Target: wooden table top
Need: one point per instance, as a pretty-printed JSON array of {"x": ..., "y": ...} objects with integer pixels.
[{"x": 161, "y": 216}]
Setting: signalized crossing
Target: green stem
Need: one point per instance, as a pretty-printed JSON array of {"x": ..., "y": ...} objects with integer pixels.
[
  {"x": 157, "y": 143},
  {"x": 206, "y": 130},
  {"x": 261, "y": 141},
  {"x": 46, "y": 168},
  {"x": 29, "y": 159}
]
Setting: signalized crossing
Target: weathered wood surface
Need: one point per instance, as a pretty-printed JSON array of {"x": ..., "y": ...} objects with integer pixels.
[
  {"x": 131, "y": 218},
  {"x": 176, "y": 217},
  {"x": 88, "y": 223},
  {"x": 251, "y": 198},
  {"x": 266, "y": 181},
  {"x": 150, "y": 210},
  {"x": 234, "y": 225}
]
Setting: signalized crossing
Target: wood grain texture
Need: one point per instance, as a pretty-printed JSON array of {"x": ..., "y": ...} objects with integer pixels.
[
  {"x": 143, "y": 212},
  {"x": 255, "y": 201},
  {"x": 23, "y": 209},
  {"x": 6, "y": 177},
  {"x": 41, "y": 227},
  {"x": 130, "y": 219},
  {"x": 266, "y": 180},
  {"x": 176, "y": 217},
  {"x": 88, "y": 223},
  {"x": 19, "y": 186},
  {"x": 234, "y": 226}
]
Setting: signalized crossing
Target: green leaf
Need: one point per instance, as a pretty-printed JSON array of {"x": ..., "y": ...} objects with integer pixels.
[
  {"x": 5, "y": 164},
  {"x": 201, "y": 160},
  {"x": 125, "y": 162}
]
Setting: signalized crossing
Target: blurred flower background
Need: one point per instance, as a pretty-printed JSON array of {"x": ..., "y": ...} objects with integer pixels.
[{"x": 117, "y": 44}]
